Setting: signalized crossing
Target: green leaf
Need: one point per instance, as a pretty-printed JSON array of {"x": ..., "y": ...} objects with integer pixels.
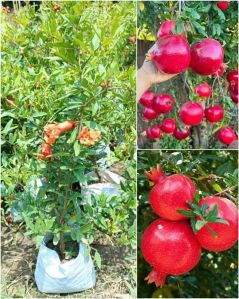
[
  {"x": 186, "y": 213},
  {"x": 56, "y": 239},
  {"x": 204, "y": 208},
  {"x": 95, "y": 42},
  {"x": 97, "y": 258},
  {"x": 220, "y": 220},
  {"x": 212, "y": 214},
  {"x": 193, "y": 224},
  {"x": 217, "y": 188},
  {"x": 199, "y": 224},
  {"x": 77, "y": 148}
]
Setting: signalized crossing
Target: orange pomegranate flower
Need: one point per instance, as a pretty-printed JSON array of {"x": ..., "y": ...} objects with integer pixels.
[
  {"x": 45, "y": 152},
  {"x": 88, "y": 137}
]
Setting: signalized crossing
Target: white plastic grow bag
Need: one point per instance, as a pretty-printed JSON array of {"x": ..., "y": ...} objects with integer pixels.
[
  {"x": 54, "y": 277},
  {"x": 101, "y": 188}
]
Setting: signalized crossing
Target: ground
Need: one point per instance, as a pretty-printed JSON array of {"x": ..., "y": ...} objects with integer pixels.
[{"x": 19, "y": 259}]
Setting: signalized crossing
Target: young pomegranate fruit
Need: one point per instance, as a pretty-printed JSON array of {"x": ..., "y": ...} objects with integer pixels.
[
  {"x": 163, "y": 103},
  {"x": 227, "y": 234},
  {"x": 156, "y": 131},
  {"x": 181, "y": 134},
  {"x": 234, "y": 96},
  {"x": 150, "y": 113},
  {"x": 170, "y": 194},
  {"x": 167, "y": 28},
  {"x": 214, "y": 113},
  {"x": 223, "y": 5},
  {"x": 203, "y": 90},
  {"x": 149, "y": 133},
  {"x": 132, "y": 39},
  {"x": 206, "y": 56},
  {"x": 191, "y": 113},
  {"x": 172, "y": 54},
  {"x": 171, "y": 248},
  {"x": 147, "y": 98},
  {"x": 232, "y": 78},
  {"x": 226, "y": 135},
  {"x": 220, "y": 71},
  {"x": 168, "y": 125}
]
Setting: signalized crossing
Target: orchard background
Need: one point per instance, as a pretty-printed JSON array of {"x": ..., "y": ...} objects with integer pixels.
[
  {"x": 65, "y": 60},
  {"x": 214, "y": 173},
  {"x": 199, "y": 19}
]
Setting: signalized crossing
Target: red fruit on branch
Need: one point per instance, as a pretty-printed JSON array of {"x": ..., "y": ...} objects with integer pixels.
[
  {"x": 181, "y": 134},
  {"x": 214, "y": 113},
  {"x": 171, "y": 248},
  {"x": 168, "y": 125},
  {"x": 170, "y": 194},
  {"x": 206, "y": 56},
  {"x": 220, "y": 71},
  {"x": 149, "y": 133},
  {"x": 132, "y": 39},
  {"x": 147, "y": 98},
  {"x": 223, "y": 5},
  {"x": 167, "y": 28},
  {"x": 171, "y": 55},
  {"x": 163, "y": 103},
  {"x": 191, "y": 113},
  {"x": 203, "y": 90},
  {"x": 232, "y": 76},
  {"x": 156, "y": 131},
  {"x": 150, "y": 113},
  {"x": 227, "y": 234},
  {"x": 155, "y": 174},
  {"x": 226, "y": 135},
  {"x": 234, "y": 96}
]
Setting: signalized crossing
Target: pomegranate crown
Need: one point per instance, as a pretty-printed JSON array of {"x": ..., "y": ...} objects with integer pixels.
[
  {"x": 157, "y": 278},
  {"x": 155, "y": 173}
]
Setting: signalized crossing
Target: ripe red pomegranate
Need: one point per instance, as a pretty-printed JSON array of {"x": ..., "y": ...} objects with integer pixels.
[
  {"x": 203, "y": 90},
  {"x": 226, "y": 135},
  {"x": 172, "y": 54},
  {"x": 150, "y": 113},
  {"x": 234, "y": 96},
  {"x": 147, "y": 98},
  {"x": 191, "y": 113},
  {"x": 233, "y": 86},
  {"x": 167, "y": 28},
  {"x": 232, "y": 76},
  {"x": 220, "y": 71},
  {"x": 206, "y": 56},
  {"x": 180, "y": 135},
  {"x": 170, "y": 194},
  {"x": 149, "y": 133},
  {"x": 227, "y": 234},
  {"x": 214, "y": 113},
  {"x": 223, "y": 5},
  {"x": 171, "y": 248},
  {"x": 163, "y": 103},
  {"x": 168, "y": 125},
  {"x": 156, "y": 131}
]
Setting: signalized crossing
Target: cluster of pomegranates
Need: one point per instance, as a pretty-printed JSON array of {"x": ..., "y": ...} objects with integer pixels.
[
  {"x": 170, "y": 244},
  {"x": 173, "y": 55}
]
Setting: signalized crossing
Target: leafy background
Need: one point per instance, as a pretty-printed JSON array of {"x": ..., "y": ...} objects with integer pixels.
[{"x": 214, "y": 173}]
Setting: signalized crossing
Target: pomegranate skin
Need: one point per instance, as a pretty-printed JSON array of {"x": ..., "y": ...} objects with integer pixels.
[
  {"x": 167, "y": 28},
  {"x": 220, "y": 71},
  {"x": 227, "y": 234},
  {"x": 170, "y": 247},
  {"x": 149, "y": 133},
  {"x": 156, "y": 131},
  {"x": 226, "y": 135},
  {"x": 170, "y": 194},
  {"x": 214, "y": 113},
  {"x": 180, "y": 135},
  {"x": 147, "y": 99},
  {"x": 150, "y": 113},
  {"x": 168, "y": 125},
  {"x": 203, "y": 90},
  {"x": 172, "y": 54},
  {"x": 206, "y": 56},
  {"x": 163, "y": 103},
  {"x": 191, "y": 113},
  {"x": 223, "y": 5},
  {"x": 232, "y": 76},
  {"x": 234, "y": 96}
]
